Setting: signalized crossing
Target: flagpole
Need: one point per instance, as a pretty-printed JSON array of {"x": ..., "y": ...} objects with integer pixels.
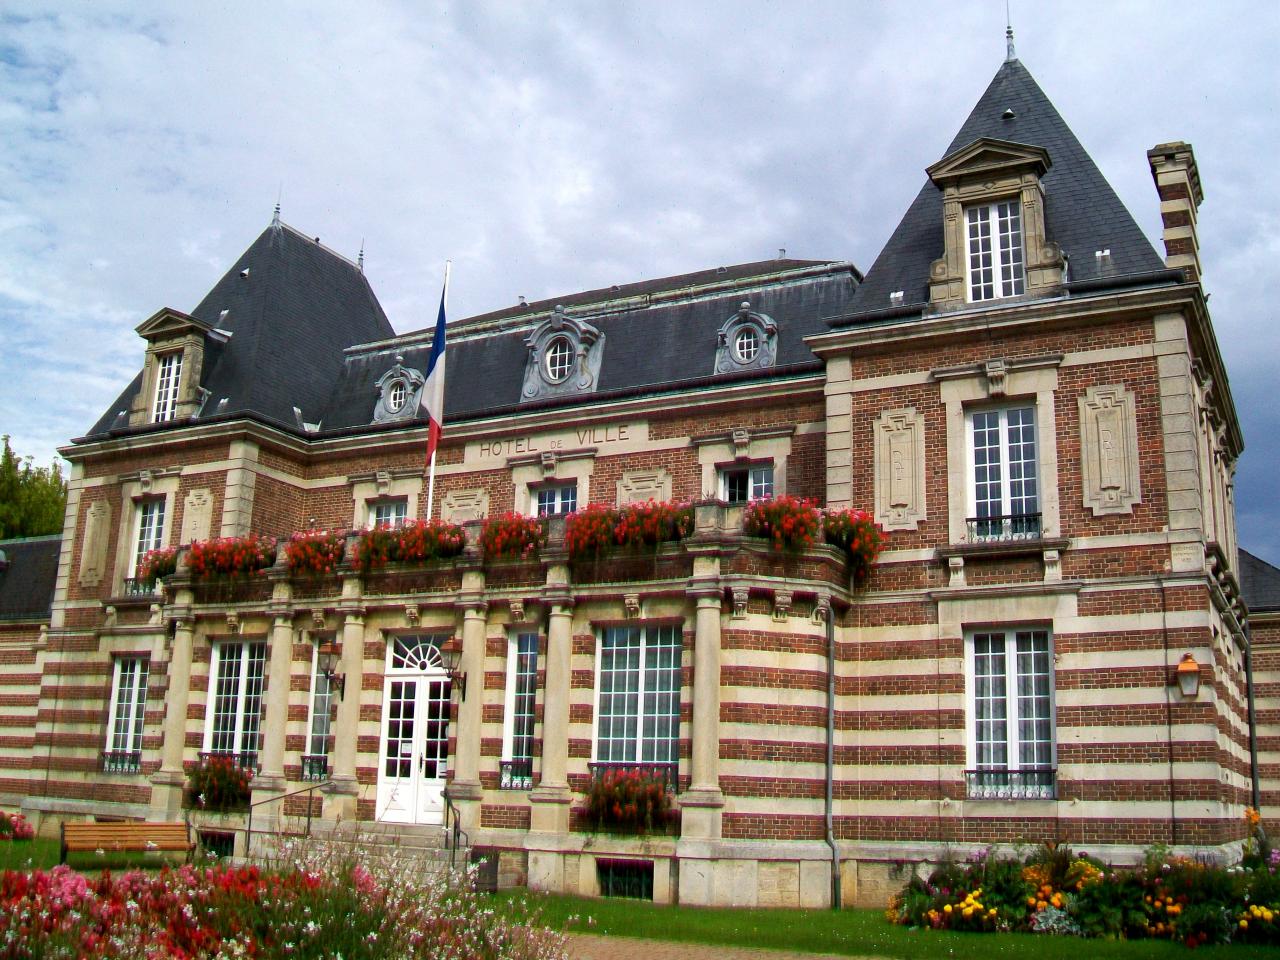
[{"x": 431, "y": 469}]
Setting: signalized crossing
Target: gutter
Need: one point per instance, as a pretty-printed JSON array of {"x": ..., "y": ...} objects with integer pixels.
[{"x": 831, "y": 735}]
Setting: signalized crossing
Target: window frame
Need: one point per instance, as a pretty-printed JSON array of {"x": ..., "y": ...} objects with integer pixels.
[
  {"x": 134, "y": 716},
  {"x": 1009, "y": 527},
  {"x": 143, "y": 507},
  {"x": 1007, "y": 267},
  {"x": 520, "y": 708},
  {"x": 764, "y": 484},
  {"x": 243, "y": 697},
  {"x": 563, "y": 491},
  {"x": 757, "y": 343},
  {"x": 164, "y": 401},
  {"x": 551, "y": 352},
  {"x": 673, "y": 632},
  {"x": 1002, "y": 779},
  {"x": 314, "y": 713},
  {"x": 395, "y": 502}
]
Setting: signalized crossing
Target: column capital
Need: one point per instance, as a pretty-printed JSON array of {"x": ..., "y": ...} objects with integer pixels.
[
  {"x": 351, "y": 612},
  {"x": 560, "y": 602},
  {"x": 472, "y": 603},
  {"x": 705, "y": 589}
]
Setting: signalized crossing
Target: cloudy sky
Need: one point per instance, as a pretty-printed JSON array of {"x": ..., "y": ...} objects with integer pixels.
[{"x": 559, "y": 146}]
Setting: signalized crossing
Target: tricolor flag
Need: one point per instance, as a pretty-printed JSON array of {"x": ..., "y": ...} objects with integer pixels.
[{"x": 432, "y": 403}]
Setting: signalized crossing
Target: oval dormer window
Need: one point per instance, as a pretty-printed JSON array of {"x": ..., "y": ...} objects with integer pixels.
[
  {"x": 559, "y": 359},
  {"x": 746, "y": 345},
  {"x": 396, "y": 395}
]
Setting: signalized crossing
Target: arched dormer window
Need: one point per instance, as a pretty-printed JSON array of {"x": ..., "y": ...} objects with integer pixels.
[
  {"x": 172, "y": 368},
  {"x": 564, "y": 357},
  {"x": 399, "y": 391},
  {"x": 747, "y": 341}
]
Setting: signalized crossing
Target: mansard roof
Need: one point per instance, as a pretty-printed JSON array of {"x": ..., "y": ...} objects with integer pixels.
[
  {"x": 1082, "y": 212},
  {"x": 1259, "y": 583},
  {"x": 291, "y": 306},
  {"x": 28, "y": 571}
]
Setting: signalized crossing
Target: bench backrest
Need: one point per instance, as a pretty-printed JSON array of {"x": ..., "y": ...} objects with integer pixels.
[{"x": 139, "y": 835}]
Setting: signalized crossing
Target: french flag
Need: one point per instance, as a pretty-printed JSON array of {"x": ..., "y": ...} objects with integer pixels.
[{"x": 432, "y": 402}]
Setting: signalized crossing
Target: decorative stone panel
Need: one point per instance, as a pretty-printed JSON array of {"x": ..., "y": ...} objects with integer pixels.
[
  {"x": 197, "y": 516},
  {"x": 463, "y": 505},
  {"x": 1109, "y": 450},
  {"x": 93, "y": 556},
  {"x": 899, "y": 469},
  {"x": 639, "y": 486}
]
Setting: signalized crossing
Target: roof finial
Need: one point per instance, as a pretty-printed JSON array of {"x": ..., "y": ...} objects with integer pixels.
[
  {"x": 275, "y": 217},
  {"x": 360, "y": 258},
  {"x": 1008, "y": 34}
]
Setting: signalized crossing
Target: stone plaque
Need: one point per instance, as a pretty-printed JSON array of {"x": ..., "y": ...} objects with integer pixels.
[
  {"x": 463, "y": 505},
  {"x": 899, "y": 469},
  {"x": 1109, "y": 450},
  {"x": 93, "y": 555},
  {"x": 197, "y": 516},
  {"x": 637, "y": 486}
]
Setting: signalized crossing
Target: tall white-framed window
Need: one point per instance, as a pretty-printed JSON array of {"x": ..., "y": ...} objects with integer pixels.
[
  {"x": 743, "y": 484},
  {"x": 638, "y": 697},
  {"x": 315, "y": 761},
  {"x": 1004, "y": 494},
  {"x": 125, "y": 719},
  {"x": 521, "y": 701},
  {"x": 150, "y": 526},
  {"x": 995, "y": 250},
  {"x": 555, "y": 499},
  {"x": 234, "y": 716},
  {"x": 1012, "y": 748},
  {"x": 168, "y": 375},
  {"x": 389, "y": 512}
]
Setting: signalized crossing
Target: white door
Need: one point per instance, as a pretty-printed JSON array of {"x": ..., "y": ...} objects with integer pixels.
[{"x": 415, "y": 733}]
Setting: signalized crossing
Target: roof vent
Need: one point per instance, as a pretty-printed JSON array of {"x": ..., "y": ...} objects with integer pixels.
[
  {"x": 615, "y": 289},
  {"x": 223, "y": 315},
  {"x": 222, "y": 404},
  {"x": 1105, "y": 264},
  {"x": 317, "y": 239},
  {"x": 722, "y": 270},
  {"x": 523, "y": 301},
  {"x": 244, "y": 274},
  {"x": 895, "y": 298},
  {"x": 1008, "y": 114},
  {"x": 782, "y": 253}
]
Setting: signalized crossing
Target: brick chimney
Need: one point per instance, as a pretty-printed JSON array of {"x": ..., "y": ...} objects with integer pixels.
[{"x": 1173, "y": 167}]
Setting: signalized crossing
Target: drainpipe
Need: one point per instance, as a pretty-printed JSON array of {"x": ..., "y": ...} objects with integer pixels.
[
  {"x": 1253, "y": 719},
  {"x": 831, "y": 755}
]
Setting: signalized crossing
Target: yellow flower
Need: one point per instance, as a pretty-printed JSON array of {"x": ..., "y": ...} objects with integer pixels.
[
  {"x": 947, "y": 908},
  {"x": 1244, "y": 924}
]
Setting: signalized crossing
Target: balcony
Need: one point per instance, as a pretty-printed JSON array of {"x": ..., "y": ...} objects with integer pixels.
[
  {"x": 248, "y": 760},
  {"x": 315, "y": 766},
  {"x": 1027, "y": 783},
  {"x": 516, "y": 774},
  {"x": 666, "y": 772},
  {"x": 137, "y": 588},
  {"x": 122, "y": 761},
  {"x": 1005, "y": 529}
]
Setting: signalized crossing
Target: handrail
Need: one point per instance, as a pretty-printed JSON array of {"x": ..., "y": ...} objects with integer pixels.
[
  {"x": 457, "y": 833},
  {"x": 248, "y": 827}
]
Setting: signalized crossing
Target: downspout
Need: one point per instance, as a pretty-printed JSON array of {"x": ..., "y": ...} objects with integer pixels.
[
  {"x": 1253, "y": 719},
  {"x": 831, "y": 756}
]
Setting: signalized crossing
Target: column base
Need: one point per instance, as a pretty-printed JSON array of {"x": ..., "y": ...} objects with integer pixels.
[
  {"x": 166, "y": 793},
  {"x": 700, "y": 814},
  {"x": 550, "y": 809},
  {"x": 340, "y": 799}
]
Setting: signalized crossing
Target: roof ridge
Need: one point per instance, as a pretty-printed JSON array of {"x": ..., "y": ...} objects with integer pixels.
[
  {"x": 315, "y": 241},
  {"x": 42, "y": 537}
]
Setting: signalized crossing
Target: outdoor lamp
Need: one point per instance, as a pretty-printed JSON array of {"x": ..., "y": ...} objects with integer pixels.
[
  {"x": 451, "y": 654},
  {"x": 1188, "y": 676},
  {"x": 327, "y": 658}
]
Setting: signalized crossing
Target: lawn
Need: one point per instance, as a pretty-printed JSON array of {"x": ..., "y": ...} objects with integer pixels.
[
  {"x": 863, "y": 933},
  {"x": 41, "y": 853}
]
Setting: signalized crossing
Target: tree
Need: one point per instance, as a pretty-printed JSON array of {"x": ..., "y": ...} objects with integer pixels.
[{"x": 32, "y": 499}]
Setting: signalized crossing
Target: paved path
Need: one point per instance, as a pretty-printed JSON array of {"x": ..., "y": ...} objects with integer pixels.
[{"x": 584, "y": 947}]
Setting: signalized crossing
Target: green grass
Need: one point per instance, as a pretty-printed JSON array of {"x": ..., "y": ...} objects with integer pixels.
[
  {"x": 859, "y": 933},
  {"x": 42, "y": 854}
]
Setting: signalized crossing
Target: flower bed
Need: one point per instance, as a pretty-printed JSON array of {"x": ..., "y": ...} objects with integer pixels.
[
  {"x": 218, "y": 784},
  {"x": 338, "y": 908},
  {"x": 416, "y": 542},
  {"x": 14, "y": 826},
  {"x": 512, "y": 536},
  {"x": 157, "y": 563},
  {"x": 315, "y": 552},
  {"x": 231, "y": 556},
  {"x": 1054, "y": 891}
]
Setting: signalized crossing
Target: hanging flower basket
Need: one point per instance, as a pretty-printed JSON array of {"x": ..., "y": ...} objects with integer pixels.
[
  {"x": 854, "y": 532},
  {"x": 157, "y": 563},
  {"x": 231, "y": 556},
  {"x": 512, "y": 536},
  {"x": 315, "y": 552},
  {"x": 416, "y": 542}
]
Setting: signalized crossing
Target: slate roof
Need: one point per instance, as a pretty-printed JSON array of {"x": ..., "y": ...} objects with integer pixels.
[
  {"x": 1259, "y": 582},
  {"x": 650, "y": 345},
  {"x": 27, "y": 577},
  {"x": 290, "y": 318},
  {"x": 1082, "y": 212}
]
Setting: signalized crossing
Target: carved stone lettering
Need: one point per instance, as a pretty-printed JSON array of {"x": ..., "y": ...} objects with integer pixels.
[
  {"x": 197, "y": 516},
  {"x": 93, "y": 555},
  {"x": 899, "y": 469},
  {"x": 1109, "y": 450}
]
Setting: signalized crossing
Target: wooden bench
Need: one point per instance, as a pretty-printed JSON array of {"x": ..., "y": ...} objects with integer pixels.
[{"x": 126, "y": 836}]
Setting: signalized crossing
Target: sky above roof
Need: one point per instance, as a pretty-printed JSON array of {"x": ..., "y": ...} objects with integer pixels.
[{"x": 554, "y": 147}]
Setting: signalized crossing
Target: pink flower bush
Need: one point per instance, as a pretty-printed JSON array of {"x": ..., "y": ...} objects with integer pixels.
[{"x": 14, "y": 826}]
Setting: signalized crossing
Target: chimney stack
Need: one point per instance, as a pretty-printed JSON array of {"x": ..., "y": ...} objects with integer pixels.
[{"x": 1173, "y": 167}]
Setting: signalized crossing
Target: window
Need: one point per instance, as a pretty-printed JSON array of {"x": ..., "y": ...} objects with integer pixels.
[
  {"x": 1012, "y": 710},
  {"x": 150, "y": 529},
  {"x": 746, "y": 345},
  {"x": 235, "y": 713},
  {"x": 1005, "y": 501},
  {"x": 396, "y": 395},
  {"x": 562, "y": 498},
  {"x": 124, "y": 724},
  {"x": 168, "y": 373},
  {"x": 639, "y": 696},
  {"x": 559, "y": 359},
  {"x": 388, "y": 513},
  {"x": 315, "y": 761},
  {"x": 741, "y": 484},
  {"x": 995, "y": 250},
  {"x": 517, "y": 739}
]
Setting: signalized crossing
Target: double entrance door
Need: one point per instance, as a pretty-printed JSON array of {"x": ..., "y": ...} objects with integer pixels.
[{"x": 415, "y": 733}]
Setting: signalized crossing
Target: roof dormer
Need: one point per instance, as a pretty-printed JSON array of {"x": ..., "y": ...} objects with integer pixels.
[
  {"x": 993, "y": 226},
  {"x": 172, "y": 368}
]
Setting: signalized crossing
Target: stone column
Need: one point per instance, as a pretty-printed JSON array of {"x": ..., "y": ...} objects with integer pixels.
[
  {"x": 550, "y": 798},
  {"x": 465, "y": 789},
  {"x": 342, "y": 800},
  {"x": 270, "y": 778},
  {"x": 168, "y": 781}
]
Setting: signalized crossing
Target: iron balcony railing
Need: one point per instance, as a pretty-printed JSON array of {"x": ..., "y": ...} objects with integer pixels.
[
  {"x": 315, "y": 767},
  {"x": 1018, "y": 526},
  {"x": 247, "y": 760},
  {"x": 122, "y": 761},
  {"x": 516, "y": 774},
  {"x": 664, "y": 771},
  {"x": 1027, "y": 783},
  {"x": 137, "y": 587}
]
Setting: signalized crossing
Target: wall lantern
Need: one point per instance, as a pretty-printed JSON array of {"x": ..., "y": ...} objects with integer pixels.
[
  {"x": 451, "y": 654},
  {"x": 1188, "y": 676},
  {"x": 327, "y": 658}
]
